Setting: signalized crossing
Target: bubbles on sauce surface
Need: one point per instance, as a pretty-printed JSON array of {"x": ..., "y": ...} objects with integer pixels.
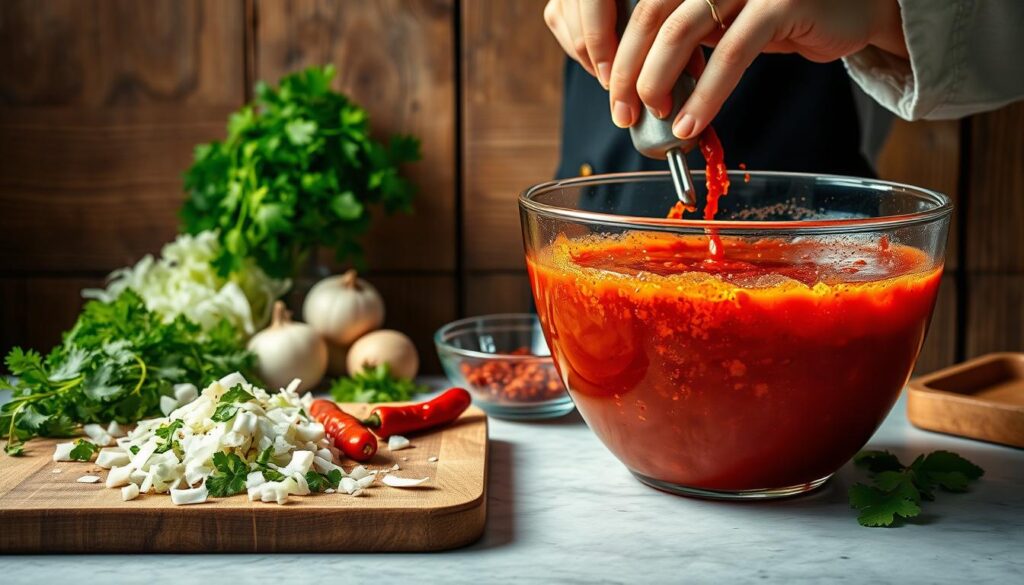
[{"x": 747, "y": 262}]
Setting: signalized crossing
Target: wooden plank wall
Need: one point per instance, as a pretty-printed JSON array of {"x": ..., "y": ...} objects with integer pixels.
[{"x": 101, "y": 102}]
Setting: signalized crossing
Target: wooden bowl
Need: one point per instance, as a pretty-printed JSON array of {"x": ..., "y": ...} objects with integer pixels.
[{"x": 980, "y": 399}]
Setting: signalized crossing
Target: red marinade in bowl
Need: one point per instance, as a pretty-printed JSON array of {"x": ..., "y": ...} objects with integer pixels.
[{"x": 765, "y": 370}]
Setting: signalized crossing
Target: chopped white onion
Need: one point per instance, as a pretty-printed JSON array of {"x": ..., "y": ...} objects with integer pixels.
[
  {"x": 129, "y": 492},
  {"x": 62, "y": 451},
  {"x": 111, "y": 456},
  {"x": 168, "y": 404},
  {"x": 89, "y": 479},
  {"x": 185, "y": 393},
  {"x": 119, "y": 476},
  {"x": 403, "y": 482},
  {"x": 189, "y": 496},
  {"x": 397, "y": 442}
]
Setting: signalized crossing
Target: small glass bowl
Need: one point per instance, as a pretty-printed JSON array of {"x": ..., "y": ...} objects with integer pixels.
[{"x": 505, "y": 363}]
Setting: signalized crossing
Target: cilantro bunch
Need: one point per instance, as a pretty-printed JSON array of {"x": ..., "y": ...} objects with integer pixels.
[
  {"x": 374, "y": 384},
  {"x": 114, "y": 364},
  {"x": 898, "y": 490},
  {"x": 298, "y": 170}
]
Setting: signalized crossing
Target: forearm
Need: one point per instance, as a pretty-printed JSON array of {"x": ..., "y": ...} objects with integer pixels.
[{"x": 961, "y": 58}]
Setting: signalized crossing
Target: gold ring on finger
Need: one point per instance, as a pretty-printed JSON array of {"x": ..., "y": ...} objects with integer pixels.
[{"x": 714, "y": 14}]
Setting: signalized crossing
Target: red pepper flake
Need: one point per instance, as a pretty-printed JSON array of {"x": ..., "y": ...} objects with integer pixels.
[
  {"x": 746, "y": 176},
  {"x": 514, "y": 380}
]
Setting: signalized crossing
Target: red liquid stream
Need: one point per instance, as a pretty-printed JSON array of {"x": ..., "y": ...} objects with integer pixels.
[{"x": 717, "y": 182}]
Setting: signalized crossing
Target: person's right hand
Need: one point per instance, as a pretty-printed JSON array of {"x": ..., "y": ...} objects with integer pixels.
[{"x": 663, "y": 37}]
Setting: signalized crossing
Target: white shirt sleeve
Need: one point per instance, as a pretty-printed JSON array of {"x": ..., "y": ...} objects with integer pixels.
[{"x": 966, "y": 56}]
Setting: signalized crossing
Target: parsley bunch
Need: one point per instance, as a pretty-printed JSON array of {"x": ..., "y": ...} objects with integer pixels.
[
  {"x": 114, "y": 364},
  {"x": 298, "y": 170},
  {"x": 374, "y": 384},
  {"x": 898, "y": 490}
]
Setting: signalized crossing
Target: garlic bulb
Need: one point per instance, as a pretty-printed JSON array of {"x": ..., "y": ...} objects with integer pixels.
[
  {"x": 385, "y": 346},
  {"x": 289, "y": 350},
  {"x": 343, "y": 308}
]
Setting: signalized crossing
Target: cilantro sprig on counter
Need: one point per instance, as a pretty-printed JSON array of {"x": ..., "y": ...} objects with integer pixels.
[
  {"x": 897, "y": 491},
  {"x": 114, "y": 364},
  {"x": 374, "y": 384},
  {"x": 298, "y": 170}
]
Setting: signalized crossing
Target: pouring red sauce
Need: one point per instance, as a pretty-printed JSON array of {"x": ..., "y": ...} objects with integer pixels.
[{"x": 749, "y": 364}]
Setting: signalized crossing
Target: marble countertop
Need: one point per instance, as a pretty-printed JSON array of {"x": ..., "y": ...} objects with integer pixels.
[{"x": 586, "y": 520}]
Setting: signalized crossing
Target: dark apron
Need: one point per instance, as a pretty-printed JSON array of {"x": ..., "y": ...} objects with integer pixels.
[{"x": 786, "y": 114}]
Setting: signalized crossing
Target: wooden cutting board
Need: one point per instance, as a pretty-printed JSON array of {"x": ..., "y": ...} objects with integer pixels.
[{"x": 43, "y": 510}]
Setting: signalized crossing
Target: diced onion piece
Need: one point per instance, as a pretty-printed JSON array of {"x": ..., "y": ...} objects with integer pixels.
[
  {"x": 119, "y": 476},
  {"x": 89, "y": 479},
  {"x": 114, "y": 429},
  {"x": 403, "y": 482},
  {"x": 185, "y": 393},
  {"x": 358, "y": 472},
  {"x": 309, "y": 432},
  {"x": 129, "y": 492},
  {"x": 398, "y": 442},
  {"x": 231, "y": 380},
  {"x": 62, "y": 451},
  {"x": 324, "y": 466},
  {"x": 254, "y": 479},
  {"x": 432, "y": 459},
  {"x": 189, "y": 496},
  {"x": 365, "y": 482},
  {"x": 349, "y": 485},
  {"x": 111, "y": 456},
  {"x": 168, "y": 404},
  {"x": 300, "y": 463},
  {"x": 98, "y": 435}
]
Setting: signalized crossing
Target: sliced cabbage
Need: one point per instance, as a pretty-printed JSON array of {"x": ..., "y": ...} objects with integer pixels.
[{"x": 183, "y": 281}]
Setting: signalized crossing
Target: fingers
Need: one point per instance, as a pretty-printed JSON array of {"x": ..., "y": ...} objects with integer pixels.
[
  {"x": 597, "y": 18},
  {"x": 556, "y": 24},
  {"x": 746, "y": 37},
  {"x": 571, "y": 12},
  {"x": 679, "y": 36},
  {"x": 634, "y": 46}
]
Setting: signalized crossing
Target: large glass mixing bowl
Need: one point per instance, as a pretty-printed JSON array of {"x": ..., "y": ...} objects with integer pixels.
[{"x": 753, "y": 375}]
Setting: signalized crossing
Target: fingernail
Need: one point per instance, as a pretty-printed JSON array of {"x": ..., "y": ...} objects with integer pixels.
[
  {"x": 604, "y": 71},
  {"x": 659, "y": 113},
  {"x": 683, "y": 128},
  {"x": 622, "y": 114}
]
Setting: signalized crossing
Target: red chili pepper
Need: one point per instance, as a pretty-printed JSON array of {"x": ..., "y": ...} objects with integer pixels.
[
  {"x": 354, "y": 440},
  {"x": 399, "y": 420}
]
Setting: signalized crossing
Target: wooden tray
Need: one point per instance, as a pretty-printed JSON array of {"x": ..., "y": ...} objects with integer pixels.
[
  {"x": 979, "y": 399},
  {"x": 42, "y": 511}
]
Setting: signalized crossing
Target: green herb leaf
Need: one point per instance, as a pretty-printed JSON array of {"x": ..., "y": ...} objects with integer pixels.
[
  {"x": 114, "y": 364},
  {"x": 877, "y": 461},
  {"x": 229, "y": 476},
  {"x": 263, "y": 464},
  {"x": 83, "y": 450},
  {"x": 898, "y": 490},
  {"x": 299, "y": 169},
  {"x": 374, "y": 384},
  {"x": 317, "y": 482},
  {"x": 880, "y": 508},
  {"x": 166, "y": 434},
  {"x": 227, "y": 406},
  {"x": 948, "y": 462}
]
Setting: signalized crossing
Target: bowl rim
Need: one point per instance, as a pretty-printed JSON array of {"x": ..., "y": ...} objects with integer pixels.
[
  {"x": 444, "y": 345},
  {"x": 943, "y": 206}
]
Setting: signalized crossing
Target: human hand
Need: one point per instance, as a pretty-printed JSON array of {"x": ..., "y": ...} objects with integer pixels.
[{"x": 662, "y": 38}]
